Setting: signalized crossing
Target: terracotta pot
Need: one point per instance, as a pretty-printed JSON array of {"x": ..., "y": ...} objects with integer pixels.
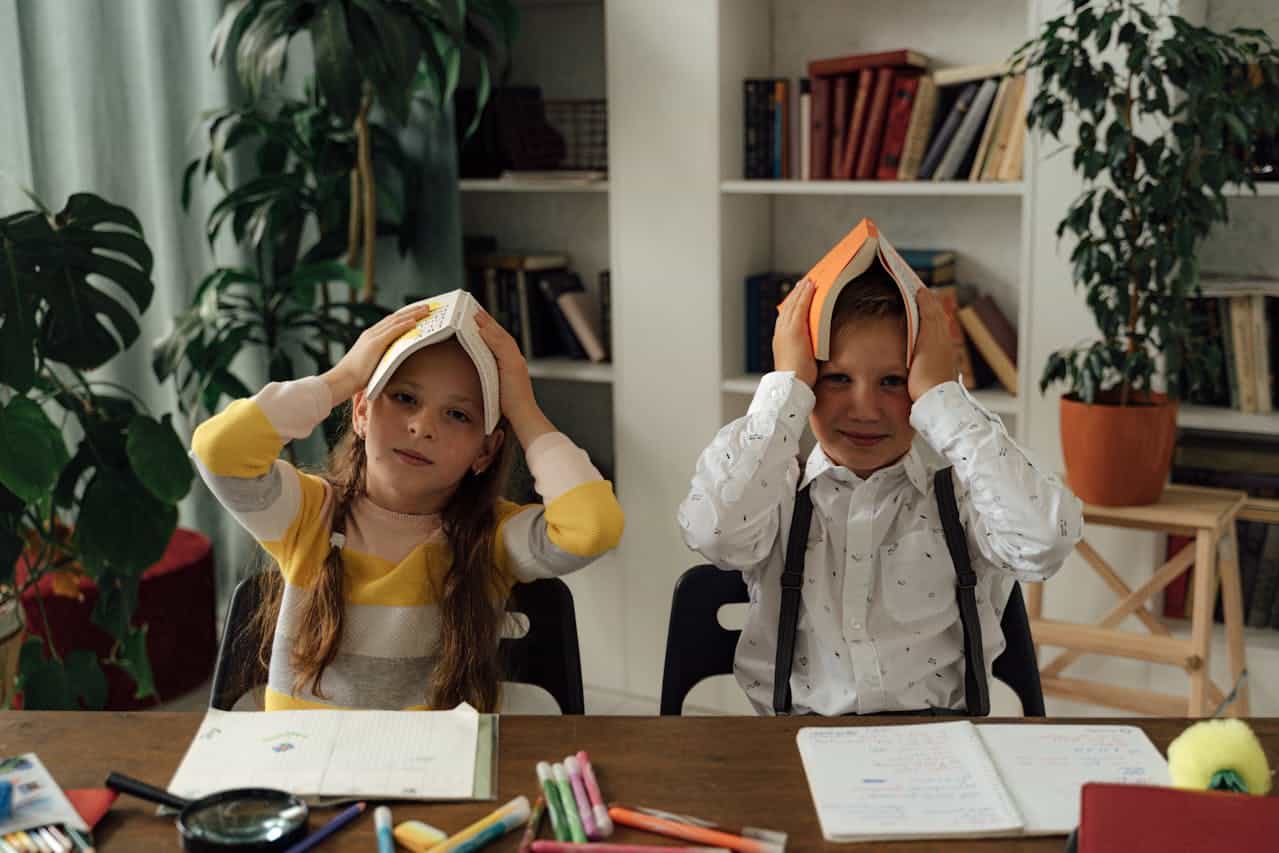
[{"x": 1118, "y": 455}]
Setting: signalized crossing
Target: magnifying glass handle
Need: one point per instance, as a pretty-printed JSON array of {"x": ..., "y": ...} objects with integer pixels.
[{"x": 129, "y": 785}]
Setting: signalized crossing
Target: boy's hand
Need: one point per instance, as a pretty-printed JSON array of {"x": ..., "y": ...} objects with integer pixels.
[
  {"x": 515, "y": 388},
  {"x": 792, "y": 346},
  {"x": 353, "y": 370},
  {"x": 934, "y": 352}
]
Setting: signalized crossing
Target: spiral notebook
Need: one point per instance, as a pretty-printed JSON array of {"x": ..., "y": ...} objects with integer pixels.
[
  {"x": 960, "y": 780},
  {"x": 331, "y": 756}
]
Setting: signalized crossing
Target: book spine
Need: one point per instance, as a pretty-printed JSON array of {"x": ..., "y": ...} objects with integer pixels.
[
  {"x": 1228, "y": 351},
  {"x": 779, "y": 130},
  {"x": 949, "y": 298},
  {"x": 751, "y": 338},
  {"x": 997, "y": 107},
  {"x": 805, "y": 172},
  {"x": 899, "y": 113},
  {"x": 606, "y": 313},
  {"x": 962, "y": 143},
  {"x": 839, "y": 126},
  {"x": 946, "y": 133},
  {"x": 868, "y": 156},
  {"x": 819, "y": 154},
  {"x": 1241, "y": 329},
  {"x": 919, "y": 130},
  {"x": 985, "y": 342},
  {"x": 750, "y": 140},
  {"x": 1261, "y": 353}
]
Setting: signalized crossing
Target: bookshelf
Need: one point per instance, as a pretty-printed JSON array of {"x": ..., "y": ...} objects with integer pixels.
[{"x": 680, "y": 230}]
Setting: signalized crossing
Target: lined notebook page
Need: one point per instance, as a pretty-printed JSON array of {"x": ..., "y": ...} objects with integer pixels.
[
  {"x": 1044, "y": 767},
  {"x": 916, "y": 781}
]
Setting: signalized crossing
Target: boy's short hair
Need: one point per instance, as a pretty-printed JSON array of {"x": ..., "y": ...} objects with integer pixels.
[{"x": 872, "y": 295}]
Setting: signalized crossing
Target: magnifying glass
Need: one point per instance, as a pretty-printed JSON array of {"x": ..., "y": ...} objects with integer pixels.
[{"x": 245, "y": 820}]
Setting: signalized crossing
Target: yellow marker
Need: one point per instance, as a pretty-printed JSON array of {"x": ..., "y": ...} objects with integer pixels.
[
  {"x": 518, "y": 804},
  {"x": 417, "y": 836}
]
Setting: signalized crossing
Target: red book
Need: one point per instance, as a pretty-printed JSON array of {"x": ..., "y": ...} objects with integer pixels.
[
  {"x": 839, "y": 126},
  {"x": 819, "y": 142},
  {"x": 868, "y": 157},
  {"x": 856, "y": 62},
  {"x": 857, "y": 124},
  {"x": 900, "y": 107},
  {"x": 1115, "y": 818}
]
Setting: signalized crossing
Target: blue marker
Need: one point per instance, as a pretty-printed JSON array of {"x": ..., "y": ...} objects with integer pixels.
[
  {"x": 6, "y": 799},
  {"x": 382, "y": 822}
]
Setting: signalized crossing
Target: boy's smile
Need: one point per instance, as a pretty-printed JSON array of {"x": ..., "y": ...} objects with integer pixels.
[{"x": 862, "y": 415}]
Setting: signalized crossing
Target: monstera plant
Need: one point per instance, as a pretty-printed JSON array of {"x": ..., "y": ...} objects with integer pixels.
[
  {"x": 321, "y": 178},
  {"x": 89, "y": 480}
]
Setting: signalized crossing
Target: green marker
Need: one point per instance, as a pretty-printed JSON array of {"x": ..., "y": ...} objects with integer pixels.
[
  {"x": 559, "y": 822},
  {"x": 569, "y": 803}
]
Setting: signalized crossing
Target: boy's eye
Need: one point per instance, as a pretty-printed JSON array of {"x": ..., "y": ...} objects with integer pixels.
[
  {"x": 459, "y": 416},
  {"x": 894, "y": 381}
]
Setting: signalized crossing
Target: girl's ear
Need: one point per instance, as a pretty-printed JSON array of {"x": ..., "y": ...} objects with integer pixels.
[
  {"x": 360, "y": 413},
  {"x": 488, "y": 452}
]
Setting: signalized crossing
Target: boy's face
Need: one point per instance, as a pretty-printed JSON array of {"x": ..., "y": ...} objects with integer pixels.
[
  {"x": 862, "y": 416},
  {"x": 425, "y": 430}
]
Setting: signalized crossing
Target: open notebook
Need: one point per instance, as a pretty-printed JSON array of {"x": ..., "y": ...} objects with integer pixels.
[
  {"x": 957, "y": 779},
  {"x": 329, "y": 756}
]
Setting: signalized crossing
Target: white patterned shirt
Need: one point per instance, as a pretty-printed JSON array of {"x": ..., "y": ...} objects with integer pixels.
[{"x": 879, "y": 627}]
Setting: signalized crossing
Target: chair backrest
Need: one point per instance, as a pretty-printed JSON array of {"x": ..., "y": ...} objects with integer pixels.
[
  {"x": 698, "y": 647},
  {"x": 547, "y": 655}
]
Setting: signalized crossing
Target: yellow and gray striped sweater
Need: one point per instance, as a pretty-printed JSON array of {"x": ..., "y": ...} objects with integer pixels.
[{"x": 395, "y": 563}]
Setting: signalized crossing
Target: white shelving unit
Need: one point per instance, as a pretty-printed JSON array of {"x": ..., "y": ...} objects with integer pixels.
[
  {"x": 498, "y": 185},
  {"x": 572, "y": 369},
  {"x": 1227, "y": 420},
  {"x": 949, "y": 189}
]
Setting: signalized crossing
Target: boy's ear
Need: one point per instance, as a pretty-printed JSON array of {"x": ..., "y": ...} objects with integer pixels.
[
  {"x": 360, "y": 413},
  {"x": 488, "y": 452}
]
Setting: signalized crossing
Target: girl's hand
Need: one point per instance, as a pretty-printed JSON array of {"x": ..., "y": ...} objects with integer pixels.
[
  {"x": 355, "y": 368},
  {"x": 515, "y": 388},
  {"x": 934, "y": 352},
  {"x": 792, "y": 345}
]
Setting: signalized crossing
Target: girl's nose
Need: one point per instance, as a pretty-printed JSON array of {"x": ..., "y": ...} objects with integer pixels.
[{"x": 422, "y": 425}]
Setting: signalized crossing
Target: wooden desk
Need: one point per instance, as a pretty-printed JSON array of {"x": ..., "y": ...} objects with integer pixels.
[{"x": 737, "y": 770}]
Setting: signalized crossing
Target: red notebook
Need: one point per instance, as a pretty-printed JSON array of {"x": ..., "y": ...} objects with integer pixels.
[{"x": 1125, "y": 818}]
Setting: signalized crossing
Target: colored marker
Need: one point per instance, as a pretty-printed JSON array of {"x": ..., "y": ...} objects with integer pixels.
[
  {"x": 674, "y": 829},
  {"x": 561, "y": 847},
  {"x": 534, "y": 824},
  {"x": 519, "y": 805},
  {"x": 559, "y": 821},
  {"x": 382, "y": 825},
  {"x": 512, "y": 819},
  {"x": 570, "y": 806},
  {"x": 603, "y": 823},
  {"x": 772, "y": 836},
  {"x": 340, "y": 820},
  {"x": 417, "y": 836},
  {"x": 579, "y": 797}
]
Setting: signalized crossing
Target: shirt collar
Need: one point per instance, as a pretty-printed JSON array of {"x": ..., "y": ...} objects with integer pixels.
[{"x": 912, "y": 465}]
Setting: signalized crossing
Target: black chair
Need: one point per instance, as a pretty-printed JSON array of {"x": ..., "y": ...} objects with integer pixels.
[
  {"x": 697, "y": 646},
  {"x": 547, "y": 655}
]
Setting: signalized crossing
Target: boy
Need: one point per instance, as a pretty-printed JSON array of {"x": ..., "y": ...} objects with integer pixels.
[{"x": 879, "y": 628}]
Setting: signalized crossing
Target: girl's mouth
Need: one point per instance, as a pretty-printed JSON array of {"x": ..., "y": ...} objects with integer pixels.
[{"x": 411, "y": 458}]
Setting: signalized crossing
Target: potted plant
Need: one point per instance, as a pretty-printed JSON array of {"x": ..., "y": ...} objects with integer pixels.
[
  {"x": 1164, "y": 116},
  {"x": 329, "y": 175},
  {"x": 108, "y": 507}
]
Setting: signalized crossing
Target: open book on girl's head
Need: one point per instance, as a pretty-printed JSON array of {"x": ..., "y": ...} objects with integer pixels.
[
  {"x": 452, "y": 315},
  {"x": 851, "y": 257}
]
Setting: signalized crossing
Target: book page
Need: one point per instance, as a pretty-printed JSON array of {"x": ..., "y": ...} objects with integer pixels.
[
  {"x": 410, "y": 754},
  {"x": 36, "y": 798},
  {"x": 910, "y": 781},
  {"x": 1045, "y": 766}
]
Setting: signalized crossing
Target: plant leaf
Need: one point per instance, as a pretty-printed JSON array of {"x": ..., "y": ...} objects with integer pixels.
[
  {"x": 158, "y": 458},
  {"x": 122, "y": 526},
  {"x": 32, "y": 452}
]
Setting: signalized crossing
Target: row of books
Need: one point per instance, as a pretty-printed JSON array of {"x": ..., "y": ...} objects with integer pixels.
[
  {"x": 1223, "y": 461},
  {"x": 542, "y": 303},
  {"x": 1238, "y": 314},
  {"x": 985, "y": 341},
  {"x": 886, "y": 116}
]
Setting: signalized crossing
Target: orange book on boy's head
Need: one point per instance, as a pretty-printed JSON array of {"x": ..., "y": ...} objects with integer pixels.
[{"x": 849, "y": 258}]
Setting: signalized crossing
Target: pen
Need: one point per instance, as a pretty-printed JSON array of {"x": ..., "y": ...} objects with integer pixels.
[
  {"x": 534, "y": 823},
  {"x": 772, "y": 836},
  {"x": 342, "y": 819},
  {"x": 579, "y": 796},
  {"x": 382, "y": 825},
  {"x": 602, "y": 821}
]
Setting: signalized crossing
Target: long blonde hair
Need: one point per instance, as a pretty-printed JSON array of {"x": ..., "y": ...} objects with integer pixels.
[{"x": 466, "y": 667}]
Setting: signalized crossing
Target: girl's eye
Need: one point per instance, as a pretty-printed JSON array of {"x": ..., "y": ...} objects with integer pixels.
[
  {"x": 404, "y": 397},
  {"x": 459, "y": 416},
  {"x": 836, "y": 378}
]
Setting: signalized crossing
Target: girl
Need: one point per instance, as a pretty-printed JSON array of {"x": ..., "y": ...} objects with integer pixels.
[{"x": 396, "y": 564}]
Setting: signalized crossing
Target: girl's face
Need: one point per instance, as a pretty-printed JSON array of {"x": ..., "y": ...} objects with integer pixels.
[{"x": 425, "y": 431}]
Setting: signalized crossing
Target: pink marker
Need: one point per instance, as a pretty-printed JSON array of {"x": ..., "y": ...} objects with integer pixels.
[
  {"x": 579, "y": 794},
  {"x": 602, "y": 821}
]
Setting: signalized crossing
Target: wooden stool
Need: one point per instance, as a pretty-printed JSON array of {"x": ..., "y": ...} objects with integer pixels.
[{"x": 1209, "y": 516}]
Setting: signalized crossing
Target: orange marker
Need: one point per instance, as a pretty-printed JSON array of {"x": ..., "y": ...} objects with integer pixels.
[{"x": 672, "y": 829}]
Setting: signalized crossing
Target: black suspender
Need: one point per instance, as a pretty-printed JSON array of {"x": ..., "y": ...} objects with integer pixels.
[{"x": 976, "y": 690}]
